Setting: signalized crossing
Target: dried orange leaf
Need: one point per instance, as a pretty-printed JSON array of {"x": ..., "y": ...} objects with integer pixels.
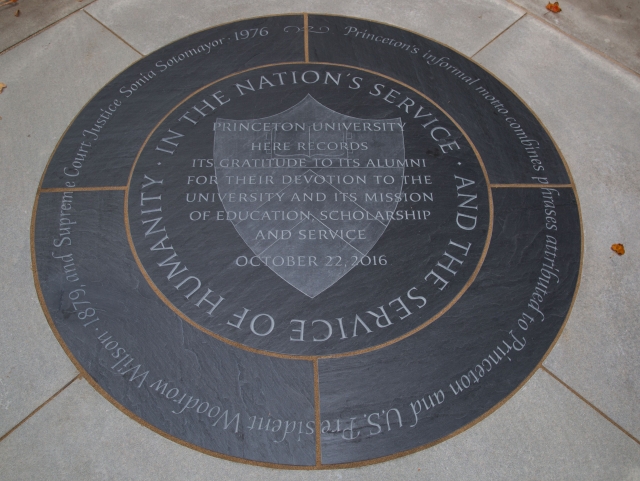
[
  {"x": 554, "y": 7},
  {"x": 2, "y": 87},
  {"x": 618, "y": 249}
]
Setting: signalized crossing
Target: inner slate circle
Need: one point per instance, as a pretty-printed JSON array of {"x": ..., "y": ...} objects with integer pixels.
[{"x": 308, "y": 210}]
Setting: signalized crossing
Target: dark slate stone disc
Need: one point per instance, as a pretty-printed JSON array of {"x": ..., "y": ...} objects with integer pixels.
[{"x": 306, "y": 241}]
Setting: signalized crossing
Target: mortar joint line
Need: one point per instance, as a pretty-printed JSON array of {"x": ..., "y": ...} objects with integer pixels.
[
  {"x": 588, "y": 403},
  {"x": 6, "y": 435},
  {"x": 114, "y": 33},
  {"x": 47, "y": 27},
  {"x": 573, "y": 38},
  {"x": 499, "y": 35}
]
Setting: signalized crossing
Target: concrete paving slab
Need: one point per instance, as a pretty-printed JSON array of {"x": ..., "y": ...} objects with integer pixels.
[
  {"x": 543, "y": 433},
  {"x": 611, "y": 26},
  {"x": 591, "y": 107},
  {"x": 34, "y": 16},
  {"x": 48, "y": 80},
  {"x": 470, "y": 24}
]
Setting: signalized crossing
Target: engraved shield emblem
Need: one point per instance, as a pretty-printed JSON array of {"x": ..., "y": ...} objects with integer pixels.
[{"x": 309, "y": 190}]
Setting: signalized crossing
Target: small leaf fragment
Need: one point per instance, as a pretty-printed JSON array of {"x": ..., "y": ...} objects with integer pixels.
[
  {"x": 618, "y": 249},
  {"x": 554, "y": 7},
  {"x": 17, "y": 14},
  {"x": 2, "y": 87}
]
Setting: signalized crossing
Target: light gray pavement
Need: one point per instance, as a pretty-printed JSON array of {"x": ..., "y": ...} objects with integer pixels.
[
  {"x": 49, "y": 77},
  {"x": 33, "y": 16},
  {"x": 592, "y": 109},
  {"x": 610, "y": 26},
  {"x": 577, "y": 418}
]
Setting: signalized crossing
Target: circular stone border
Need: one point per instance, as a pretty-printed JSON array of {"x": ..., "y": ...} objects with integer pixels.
[{"x": 316, "y": 411}]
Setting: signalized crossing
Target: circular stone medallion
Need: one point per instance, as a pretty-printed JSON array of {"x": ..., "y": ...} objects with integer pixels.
[{"x": 306, "y": 241}]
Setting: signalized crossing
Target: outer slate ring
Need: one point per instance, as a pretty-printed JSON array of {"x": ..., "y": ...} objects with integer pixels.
[{"x": 118, "y": 401}]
